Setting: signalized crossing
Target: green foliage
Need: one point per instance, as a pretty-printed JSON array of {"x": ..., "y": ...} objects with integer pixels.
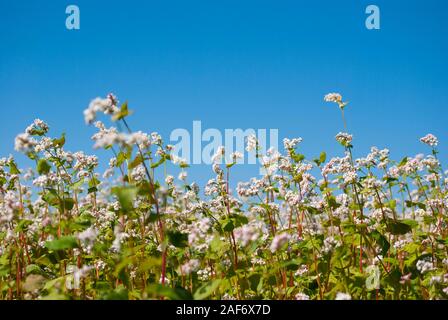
[{"x": 63, "y": 243}]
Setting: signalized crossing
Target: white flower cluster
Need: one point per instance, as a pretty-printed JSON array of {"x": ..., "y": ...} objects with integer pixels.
[
  {"x": 279, "y": 241},
  {"x": 106, "y": 106},
  {"x": 430, "y": 139}
]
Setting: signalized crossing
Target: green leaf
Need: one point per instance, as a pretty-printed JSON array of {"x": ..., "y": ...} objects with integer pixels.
[
  {"x": 51, "y": 197},
  {"x": 207, "y": 290},
  {"x": 120, "y": 293},
  {"x": 13, "y": 168},
  {"x": 136, "y": 162},
  {"x": 158, "y": 163},
  {"x": 381, "y": 241},
  {"x": 126, "y": 197},
  {"x": 43, "y": 167},
  {"x": 59, "y": 142},
  {"x": 23, "y": 224},
  {"x": 77, "y": 185},
  {"x": 63, "y": 243},
  {"x": 170, "y": 293},
  {"x": 67, "y": 204},
  {"x": 412, "y": 223},
  {"x": 403, "y": 162},
  {"x": 397, "y": 227},
  {"x": 297, "y": 157},
  {"x": 121, "y": 158},
  {"x": 322, "y": 157},
  {"x": 123, "y": 113},
  {"x": 227, "y": 225},
  {"x": 34, "y": 269},
  {"x": 178, "y": 239}
]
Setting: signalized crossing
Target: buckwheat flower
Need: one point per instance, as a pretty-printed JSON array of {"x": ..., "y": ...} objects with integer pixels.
[
  {"x": 343, "y": 296},
  {"x": 279, "y": 241},
  {"x": 194, "y": 187},
  {"x": 38, "y": 127},
  {"x": 156, "y": 138},
  {"x": 41, "y": 181},
  {"x": 108, "y": 173},
  {"x": 88, "y": 235},
  {"x": 24, "y": 142},
  {"x": 330, "y": 244},
  {"x": 333, "y": 97},
  {"x": 302, "y": 296},
  {"x": 217, "y": 157},
  {"x": 216, "y": 168},
  {"x": 178, "y": 160},
  {"x": 169, "y": 180},
  {"x": 29, "y": 174},
  {"x": 406, "y": 278},
  {"x": 424, "y": 266},
  {"x": 435, "y": 279},
  {"x": 252, "y": 143},
  {"x": 183, "y": 176},
  {"x": 139, "y": 138},
  {"x": 350, "y": 176},
  {"x": 107, "y": 106},
  {"x": 336, "y": 98},
  {"x": 344, "y": 138},
  {"x": 82, "y": 273},
  {"x": 44, "y": 144},
  {"x": 445, "y": 262},
  {"x": 291, "y": 144},
  {"x": 236, "y": 155},
  {"x": 430, "y": 140},
  {"x": 120, "y": 237},
  {"x": 100, "y": 264},
  {"x": 190, "y": 266},
  {"x": 301, "y": 271},
  {"x": 138, "y": 174},
  {"x": 83, "y": 174},
  {"x": 246, "y": 234}
]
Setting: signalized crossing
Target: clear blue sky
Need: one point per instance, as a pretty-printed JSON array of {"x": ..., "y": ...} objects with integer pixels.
[{"x": 231, "y": 64}]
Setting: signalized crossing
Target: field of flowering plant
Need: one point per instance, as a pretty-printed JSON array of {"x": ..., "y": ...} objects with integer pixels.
[{"x": 319, "y": 228}]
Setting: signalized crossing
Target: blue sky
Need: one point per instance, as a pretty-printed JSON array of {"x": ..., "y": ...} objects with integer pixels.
[{"x": 231, "y": 64}]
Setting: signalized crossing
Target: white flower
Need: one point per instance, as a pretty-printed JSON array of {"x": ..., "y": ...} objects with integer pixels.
[
  {"x": 291, "y": 144},
  {"x": 279, "y": 241},
  {"x": 343, "y": 296},
  {"x": 138, "y": 174},
  {"x": 302, "y": 296},
  {"x": 424, "y": 266},
  {"x": 236, "y": 155},
  {"x": 169, "y": 180},
  {"x": 217, "y": 157},
  {"x": 24, "y": 142},
  {"x": 246, "y": 234},
  {"x": 344, "y": 138},
  {"x": 107, "y": 106},
  {"x": 430, "y": 140},
  {"x": 88, "y": 235},
  {"x": 252, "y": 143},
  {"x": 37, "y": 127},
  {"x": 333, "y": 97},
  {"x": 190, "y": 266},
  {"x": 182, "y": 176}
]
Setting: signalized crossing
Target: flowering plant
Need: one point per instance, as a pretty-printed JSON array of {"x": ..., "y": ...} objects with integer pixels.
[{"x": 306, "y": 229}]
